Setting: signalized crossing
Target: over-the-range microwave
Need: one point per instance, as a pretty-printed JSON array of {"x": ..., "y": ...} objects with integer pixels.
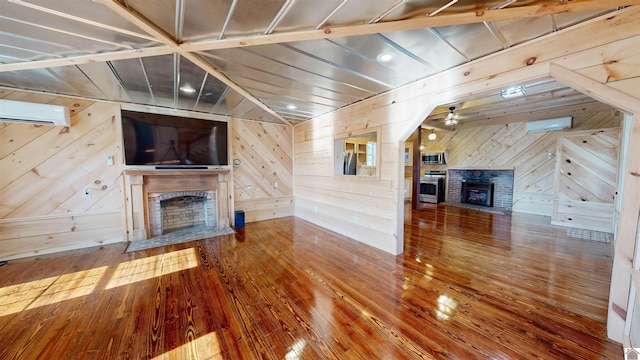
[{"x": 433, "y": 159}]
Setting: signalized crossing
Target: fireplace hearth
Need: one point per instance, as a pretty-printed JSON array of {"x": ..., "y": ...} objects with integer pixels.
[{"x": 477, "y": 193}]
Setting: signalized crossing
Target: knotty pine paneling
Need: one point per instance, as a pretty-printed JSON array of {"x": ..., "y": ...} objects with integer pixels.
[
  {"x": 399, "y": 112},
  {"x": 586, "y": 180},
  {"x": 54, "y": 233},
  {"x": 362, "y": 207},
  {"x": 263, "y": 181},
  {"x": 510, "y": 146},
  {"x": 45, "y": 173}
]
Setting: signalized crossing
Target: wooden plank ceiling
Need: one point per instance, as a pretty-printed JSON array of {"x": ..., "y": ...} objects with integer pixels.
[{"x": 281, "y": 61}]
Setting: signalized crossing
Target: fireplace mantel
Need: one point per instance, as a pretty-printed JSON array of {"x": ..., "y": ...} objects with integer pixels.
[
  {"x": 142, "y": 182},
  {"x": 174, "y": 172},
  {"x": 488, "y": 168}
]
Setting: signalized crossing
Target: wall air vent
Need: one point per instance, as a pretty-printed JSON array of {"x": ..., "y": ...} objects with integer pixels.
[
  {"x": 34, "y": 113},
  {"x": 560, "y": 123}
]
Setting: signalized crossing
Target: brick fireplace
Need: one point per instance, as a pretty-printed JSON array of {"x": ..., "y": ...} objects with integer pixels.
[
  {"x": 163, "y": 200},
  {"x": 502, "y": 180},
  {"x": 181, "y": 209}
]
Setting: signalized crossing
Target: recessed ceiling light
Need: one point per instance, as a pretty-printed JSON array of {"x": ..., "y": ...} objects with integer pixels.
[
  {"x": 291, "y": 107},
  {"x": 187, "y": 89},
  {"x": 512, "y": 92},
  {"x": 385, "y": 56},
  {"x": 432, "y": 136}
]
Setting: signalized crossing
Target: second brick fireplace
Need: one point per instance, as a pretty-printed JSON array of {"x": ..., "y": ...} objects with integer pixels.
[{"x": 501, "y": 180}]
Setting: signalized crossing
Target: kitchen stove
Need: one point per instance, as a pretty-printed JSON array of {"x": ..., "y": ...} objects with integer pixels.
[{"x": 432, "y": 186}]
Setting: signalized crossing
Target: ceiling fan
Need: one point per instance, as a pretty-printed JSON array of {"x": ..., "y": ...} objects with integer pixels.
[{"x": 452, "y": 118}]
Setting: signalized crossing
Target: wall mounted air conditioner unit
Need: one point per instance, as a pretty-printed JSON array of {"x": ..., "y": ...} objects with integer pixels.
[
  {"x": 33, "y": 113},
  {"x": 560, "y": 123}
]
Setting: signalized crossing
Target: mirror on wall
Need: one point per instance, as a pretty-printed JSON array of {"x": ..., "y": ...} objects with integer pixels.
[{"x": 357, "y": 155}]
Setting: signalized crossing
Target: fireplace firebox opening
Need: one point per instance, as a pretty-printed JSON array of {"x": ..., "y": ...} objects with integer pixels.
[
  {"x": 173, "y": 211},
  {"x": 477, "y": 193}
]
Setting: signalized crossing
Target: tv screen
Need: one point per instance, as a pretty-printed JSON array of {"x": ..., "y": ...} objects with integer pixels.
[{"x": 166, "y": 140}]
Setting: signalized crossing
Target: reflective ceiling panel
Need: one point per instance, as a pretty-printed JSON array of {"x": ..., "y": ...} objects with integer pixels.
[
  {"x": 49, "y": 79},
  {"x": 37, "y": 80},
  {"x": 190, "y": 81},
  {"x": 471, "y": 40},
  {"x": 427, "y": 47},
  {"x": 106, "y": 80},
  {"x": 512, "y": 32},
  {"x": 91, "y": 11},
  {"x": 405, "y": 66},
  {"x": 253, "y": 17},
  {"x": 361, "y": 11},
  {"x": 51, "y": 35},
  {"x": 564, "y": 20},
  {"x": 299, "y": 79},
  {"x": 159, "y": 71},
  {"x": 185, "y": 21},
  {"x": 133, "y": 75},
  {"x": 300, "y": 18}
]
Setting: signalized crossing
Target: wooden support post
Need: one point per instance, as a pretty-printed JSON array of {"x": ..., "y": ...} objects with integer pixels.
[{"x": 415, "y": 193}]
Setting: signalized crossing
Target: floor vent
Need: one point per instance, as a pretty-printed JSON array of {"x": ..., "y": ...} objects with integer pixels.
[{"x": 590, "y": 235}]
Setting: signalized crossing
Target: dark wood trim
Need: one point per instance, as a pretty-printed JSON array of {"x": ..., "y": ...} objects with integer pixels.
[{"x": 415, "y": 193}]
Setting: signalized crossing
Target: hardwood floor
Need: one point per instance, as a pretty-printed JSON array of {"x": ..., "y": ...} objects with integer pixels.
[{"x": 470, "y": 285}]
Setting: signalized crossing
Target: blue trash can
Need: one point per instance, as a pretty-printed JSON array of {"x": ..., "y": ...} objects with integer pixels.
[{"x": 239, "y": 219}]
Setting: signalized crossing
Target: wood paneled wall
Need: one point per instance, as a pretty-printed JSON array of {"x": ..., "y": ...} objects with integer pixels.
[
  {"x": 586, "y": 179},
  {"x": 46, "y": 171},
  {"x": 263, "y": 180},
  {"x": 598, "y": 57},
  {"x": 510, "y": 146}
]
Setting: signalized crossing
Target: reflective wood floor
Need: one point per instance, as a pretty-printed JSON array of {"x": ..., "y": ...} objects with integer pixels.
[{"x": 470, "y": 285}]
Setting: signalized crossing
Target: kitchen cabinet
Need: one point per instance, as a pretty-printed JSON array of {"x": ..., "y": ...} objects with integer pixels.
[{"x": 359, "y": 148}]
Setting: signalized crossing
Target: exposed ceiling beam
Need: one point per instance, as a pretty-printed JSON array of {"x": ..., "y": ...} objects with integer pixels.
[
  {"x": 537, "y": 115},
  {"x": 141, "y": 22},
  {"x": 315, "y": 34},
  {"x": 411, "y": 24},
  {"x": 87, "y": 59}
]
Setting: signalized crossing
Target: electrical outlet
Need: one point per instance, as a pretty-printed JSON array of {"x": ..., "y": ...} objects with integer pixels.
[
  {"x": 86, "y": 194},
  {"x": 249, "y": 186},
  {"x": 275, "y": 185}
]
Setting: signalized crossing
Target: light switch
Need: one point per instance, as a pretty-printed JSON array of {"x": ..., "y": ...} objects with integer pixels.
[{"x": 109, "y": 160}]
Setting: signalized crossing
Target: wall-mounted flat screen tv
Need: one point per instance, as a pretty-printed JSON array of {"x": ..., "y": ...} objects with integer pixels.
[{"x": 173, "y": 141}]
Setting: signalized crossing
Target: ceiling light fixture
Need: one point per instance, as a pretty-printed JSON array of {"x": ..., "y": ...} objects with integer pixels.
[
  {"x": 187, "y": 89},
  {"x": 432, "y": 136},
  {"x": 512, "y": 92},
  {"x": 452, "y": 118},
  {"x": 291, "y": 107},
  {"x": 385, "y": 56},
  {"x": 444, "y": 7}
]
